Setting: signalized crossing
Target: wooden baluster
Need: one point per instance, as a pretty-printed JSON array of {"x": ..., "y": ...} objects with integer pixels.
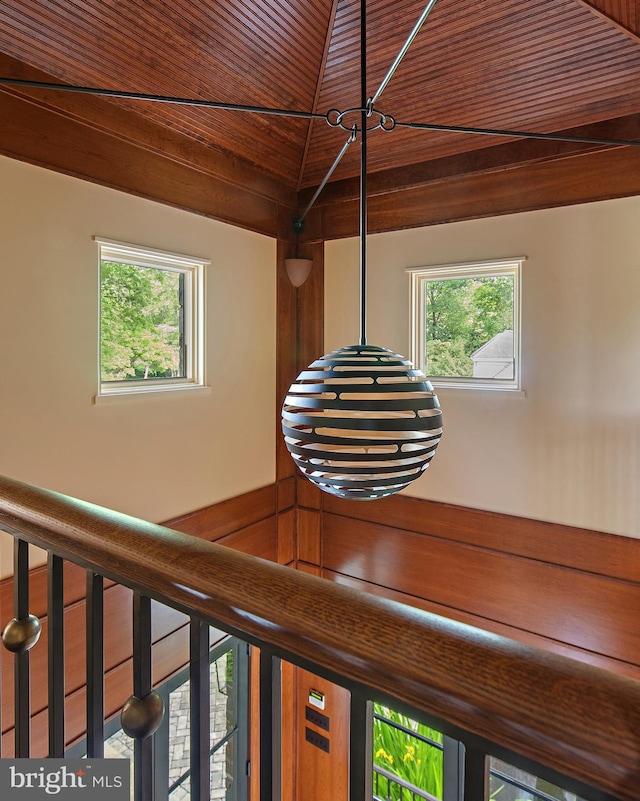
[{"x": 452, "y": 769}]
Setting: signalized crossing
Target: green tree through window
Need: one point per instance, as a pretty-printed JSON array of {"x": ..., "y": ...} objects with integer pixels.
[
  {"x": 141, "y": 310},
  {"x": 462, "y": 314}
]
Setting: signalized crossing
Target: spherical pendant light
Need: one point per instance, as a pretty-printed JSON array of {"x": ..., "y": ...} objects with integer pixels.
[{"x": 361, "y": 422}]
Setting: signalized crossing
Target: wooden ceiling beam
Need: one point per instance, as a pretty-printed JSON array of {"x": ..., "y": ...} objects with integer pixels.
[
  {"x": 625, "y": 17},
  {"x": 116, "y": 119},
  {"x": 482, "y": 161},
  {"x": 579, "y": 179},
  {"x": 32, "y": 133}
]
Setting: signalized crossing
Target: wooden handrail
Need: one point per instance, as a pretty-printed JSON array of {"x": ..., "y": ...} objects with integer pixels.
[{"x": 577, "y": 719}]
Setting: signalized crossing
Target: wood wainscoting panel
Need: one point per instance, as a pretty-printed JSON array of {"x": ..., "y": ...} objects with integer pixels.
[
  {"x": 576, "y": 548},
  {"x": 260, "y": 539},
  {"x": 490, "y": 570},
  {"x": 313, "y": 570},
  {"x": 287, "y": 537},
  {"x": 309, "y": 527},
  {"x": 309, "y": 496},
  {"x": 321, "y": 775},
  {"x": 226, "y": 517},
  {"x": 504, "y": 630},
  {"x": 286, "y": 490}
]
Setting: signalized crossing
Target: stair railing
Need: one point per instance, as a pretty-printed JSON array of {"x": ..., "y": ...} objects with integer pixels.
[{"x": 571, "y": 722}]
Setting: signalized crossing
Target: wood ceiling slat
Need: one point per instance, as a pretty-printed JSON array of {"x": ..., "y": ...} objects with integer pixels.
[
  {"x": 517, "y": 65},
  {"x": 270, "y": 155},
  {"x": 181, "y": 75},
  {"x": 454, "y": 48},
  {"x": 115, "y": 61},
  {"x": 471, "y": 58},
  {"x": 539, "y": 64}
]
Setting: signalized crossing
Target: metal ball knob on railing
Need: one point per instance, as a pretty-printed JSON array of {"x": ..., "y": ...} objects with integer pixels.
[
  {"x": 141, "y": 717},
  {"x": 21, "y": 635}
]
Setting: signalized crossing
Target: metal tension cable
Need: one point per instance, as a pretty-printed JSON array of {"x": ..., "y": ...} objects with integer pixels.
[{"x": 336, "y": 119}]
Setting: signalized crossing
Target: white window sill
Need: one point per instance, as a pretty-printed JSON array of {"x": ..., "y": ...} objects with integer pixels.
[
  {"x": 501, "y": 392},
  {"x": 151, "y": 393}
]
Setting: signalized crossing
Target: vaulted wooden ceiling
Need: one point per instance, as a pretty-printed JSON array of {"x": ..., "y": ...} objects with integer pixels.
[{"x": 538, "y": 65}]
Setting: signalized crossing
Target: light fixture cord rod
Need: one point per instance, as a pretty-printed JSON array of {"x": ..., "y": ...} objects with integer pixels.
[
  {"x": 328, "y": 175},
  {"x": 403, "y": 51},
  {"x": 180, "y": 101},
  {"x": 364, "y": 110}
]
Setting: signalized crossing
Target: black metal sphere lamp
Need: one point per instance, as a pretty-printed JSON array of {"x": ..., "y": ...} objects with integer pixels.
[{"x": 362, "y": 422}]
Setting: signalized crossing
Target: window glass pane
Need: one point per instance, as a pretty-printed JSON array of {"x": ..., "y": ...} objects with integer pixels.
[
  {"x": 407, "y": 757},
  {"x": 119, "y": 746},
  {"x": 508, "y": 783},
  {"x": 223, "y": 704},
  {"x": 224, "y": 716},
  {"x": 141, "y": 321},
  {"x": 182, "y": 792},
  {"x": 223, "y": 710},
  {"x": 469, "y": 327},
  {"x": 179, "y": 732},
  {"x": 222, "y": 772}
]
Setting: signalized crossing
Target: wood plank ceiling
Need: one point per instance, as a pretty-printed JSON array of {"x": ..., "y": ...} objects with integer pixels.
[{"x": 540, "y": 65}]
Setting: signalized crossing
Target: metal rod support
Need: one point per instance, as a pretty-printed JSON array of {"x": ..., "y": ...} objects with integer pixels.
[
  {"x": 95, "y": 665},
  {"x": 476, "y": 775},
  {"x": 307, "y": 115},
  {"x": 453, "y": 767},
  {"x": 22, "y": 670},
  {"x": 424, "y": 126},
  {"x": 326, "y": 177},
  {"x": 199, "y": 708},
  {"x": 363, "y": 172},
  {"x": 403, "y": 51},
  {"x": 360, "y": 747},
  {"x": 180, "y": 101},
  {"x": 142, "y": 686},
  {"x": 55, "y": 647},
  {"x": 270, "y": 734}
]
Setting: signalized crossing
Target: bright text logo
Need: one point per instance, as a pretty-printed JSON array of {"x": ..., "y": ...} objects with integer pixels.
[{"x": 34, "y": 779}]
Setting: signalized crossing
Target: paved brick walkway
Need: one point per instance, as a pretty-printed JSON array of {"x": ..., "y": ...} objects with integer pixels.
[{"x": 121, "y": 746}]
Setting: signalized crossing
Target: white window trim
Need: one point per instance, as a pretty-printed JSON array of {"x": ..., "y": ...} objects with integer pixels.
[
  {"x": 194, "y": 321},
  {"x": 419, "y": 275}
]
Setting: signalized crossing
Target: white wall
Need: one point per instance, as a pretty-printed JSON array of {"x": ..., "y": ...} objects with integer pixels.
[
  {"x": 569, "y": 451},
  {"x": 154, "y": 458}
]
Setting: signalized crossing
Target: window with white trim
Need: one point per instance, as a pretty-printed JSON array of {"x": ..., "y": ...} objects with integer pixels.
[
  {"x": 151, "y": 320},
  {"x": 465, "y": 323}
]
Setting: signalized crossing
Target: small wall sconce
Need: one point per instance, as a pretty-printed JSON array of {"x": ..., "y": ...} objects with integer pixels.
[{"x": 298, "y": 270}]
